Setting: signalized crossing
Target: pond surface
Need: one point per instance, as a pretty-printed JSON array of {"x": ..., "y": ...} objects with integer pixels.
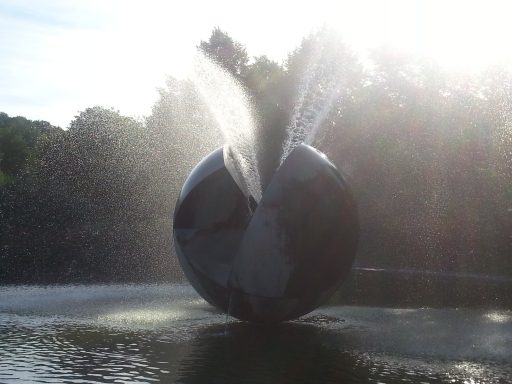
[{"x": 150, "y": 333}]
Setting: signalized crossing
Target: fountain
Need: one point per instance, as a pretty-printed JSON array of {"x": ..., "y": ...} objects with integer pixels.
[{"x": 263, "y": 255}]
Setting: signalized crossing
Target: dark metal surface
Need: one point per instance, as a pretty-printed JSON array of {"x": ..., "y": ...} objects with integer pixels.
[{"x": 279, "y": 262}]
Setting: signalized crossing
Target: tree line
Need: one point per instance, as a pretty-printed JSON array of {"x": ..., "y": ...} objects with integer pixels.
[{"x": 428, "y": 154}]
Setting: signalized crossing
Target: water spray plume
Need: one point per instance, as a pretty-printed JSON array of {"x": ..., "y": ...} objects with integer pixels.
[
  {"x": 320, "y": 86},
  {"x": 231, "y": 109},
  {"x": 284, "y": 253}
]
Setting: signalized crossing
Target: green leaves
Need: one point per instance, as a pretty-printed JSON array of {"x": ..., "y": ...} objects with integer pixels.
[
  {"x": 18, "y": 140},
  {"x": 230, "y": 54}
]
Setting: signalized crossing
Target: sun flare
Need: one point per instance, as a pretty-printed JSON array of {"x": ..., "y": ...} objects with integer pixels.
[
  {"x": 460, "y": 35},
  {"x": 95, "y": 51}
]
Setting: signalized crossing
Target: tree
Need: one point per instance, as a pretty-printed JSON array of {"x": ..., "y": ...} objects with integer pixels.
[
  {"x": 229, "y": 54},
  {"x": 427, "y": 154},
  {"x": 77, "y": 213},
  {"x": 18, "y": 139}
]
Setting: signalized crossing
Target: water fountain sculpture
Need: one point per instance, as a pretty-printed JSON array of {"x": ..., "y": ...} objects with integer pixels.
[
  {"x": 264, "y": 253},
  {"x": 271, "y": 261}
]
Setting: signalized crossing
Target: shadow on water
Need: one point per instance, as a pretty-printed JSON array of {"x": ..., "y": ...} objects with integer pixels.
[{"x": 289, "y": 353}]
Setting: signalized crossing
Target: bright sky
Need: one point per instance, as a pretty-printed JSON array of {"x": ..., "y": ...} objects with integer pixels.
[{"x": 59, "y": 57}]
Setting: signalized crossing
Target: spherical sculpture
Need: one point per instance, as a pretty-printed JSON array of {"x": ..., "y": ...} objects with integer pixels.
[{"x": 276, "y": 260}]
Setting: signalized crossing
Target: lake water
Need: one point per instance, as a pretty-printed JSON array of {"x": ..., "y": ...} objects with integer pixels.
[{"x": 150, "y": 333}]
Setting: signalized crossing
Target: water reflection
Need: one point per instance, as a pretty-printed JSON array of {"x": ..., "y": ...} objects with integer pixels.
[
  {"x": 293, "y": 353},
  {"x": 176, "y": 338},
  {"x": 241, "y": 352},
  {"x": 290, "y": 353}
]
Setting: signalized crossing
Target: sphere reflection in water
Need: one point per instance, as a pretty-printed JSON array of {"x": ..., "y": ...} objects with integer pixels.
[{"x": 271, "y": 261}]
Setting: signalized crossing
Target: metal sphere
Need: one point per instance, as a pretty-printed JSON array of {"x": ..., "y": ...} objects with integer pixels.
[{"x": 276, "y": 260}]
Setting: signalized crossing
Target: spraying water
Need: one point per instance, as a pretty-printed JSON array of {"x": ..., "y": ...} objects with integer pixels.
[
  {"x": 322, "y": 84},
  {"x": 320, "y": 87},
  {"x": 231, "y": 109}
]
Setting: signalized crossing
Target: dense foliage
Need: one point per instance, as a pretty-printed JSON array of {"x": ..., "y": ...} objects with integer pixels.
[
  {"x": 429, "y": 155},
  {"x": 18, "y": 138}
]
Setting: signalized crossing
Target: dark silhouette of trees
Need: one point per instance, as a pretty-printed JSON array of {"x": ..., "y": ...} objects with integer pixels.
[
  {"x": 82, "y": 210},
  {"x": 428, "y": 155},
  {"x": 229, "y": 54},
  {"x": 18, "y": 138}
]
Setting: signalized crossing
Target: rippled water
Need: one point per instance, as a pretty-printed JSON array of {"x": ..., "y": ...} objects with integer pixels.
[{"x": 136, "y": 333}]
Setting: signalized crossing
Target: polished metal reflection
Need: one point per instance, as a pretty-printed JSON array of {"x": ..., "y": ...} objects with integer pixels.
[{"x": 276, "y": 260}]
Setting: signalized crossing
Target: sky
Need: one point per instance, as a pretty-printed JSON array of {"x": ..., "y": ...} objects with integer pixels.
[{"x": 59, "y": 57}]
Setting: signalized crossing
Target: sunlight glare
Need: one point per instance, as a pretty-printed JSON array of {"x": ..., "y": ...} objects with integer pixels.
[
  {"x": 459, "y": 35},
  {"x": 60, "y": 59}
]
